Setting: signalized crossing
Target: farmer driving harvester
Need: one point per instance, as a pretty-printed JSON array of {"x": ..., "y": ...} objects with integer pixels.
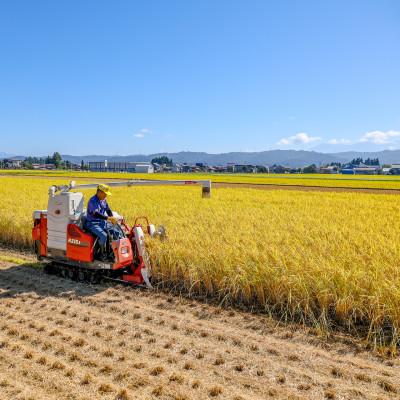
[
  {"x": 100, "y": 220},
  {"x": 73, "y": 252}
]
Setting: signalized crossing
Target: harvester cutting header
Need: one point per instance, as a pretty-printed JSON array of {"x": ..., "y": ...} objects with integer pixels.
[{"x": 93, "y": 243}]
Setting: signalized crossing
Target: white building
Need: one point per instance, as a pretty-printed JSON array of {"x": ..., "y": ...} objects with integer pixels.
[
  {"x": 367, "y": 170},
  {"x": 12, "y": 163},
  {"x": 146, "y": 168},
  {"x": 111, "y": 166},
  {"x": 330, "y": 169}
]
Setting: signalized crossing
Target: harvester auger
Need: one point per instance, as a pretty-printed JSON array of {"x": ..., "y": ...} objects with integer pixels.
[{"x": 67, "y": 249}]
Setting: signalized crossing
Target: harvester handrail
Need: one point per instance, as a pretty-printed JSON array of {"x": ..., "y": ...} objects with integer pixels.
[{"x": 206, "y": 185}]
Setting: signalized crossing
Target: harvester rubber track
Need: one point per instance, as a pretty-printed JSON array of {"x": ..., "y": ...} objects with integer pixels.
[
  {"x": 78, "y": 274},
  {"x": 84, "y": 275}
]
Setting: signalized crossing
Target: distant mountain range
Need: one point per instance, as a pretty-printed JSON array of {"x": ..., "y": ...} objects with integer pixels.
[
  {"x": 5, "y": 155},
  {"x": 290, "y": 158}
]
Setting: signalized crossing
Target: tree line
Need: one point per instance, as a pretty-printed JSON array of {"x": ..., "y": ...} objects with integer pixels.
[
  {"x": 54, "y": 159},
  {"x": 368, "y": 161}
]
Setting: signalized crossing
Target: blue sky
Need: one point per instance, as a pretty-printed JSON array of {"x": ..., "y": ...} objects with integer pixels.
[{"x": 128, "y": 77}]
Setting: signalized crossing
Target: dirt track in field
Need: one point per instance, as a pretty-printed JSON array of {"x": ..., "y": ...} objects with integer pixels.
[
  {"x": 271, "y": 186},
  {"x": 65, "y": 340}
]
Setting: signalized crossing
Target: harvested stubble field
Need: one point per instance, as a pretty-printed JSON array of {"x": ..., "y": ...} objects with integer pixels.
[
  {"x": 64, "y": 340},
  {"x": 328, "y": 259}
]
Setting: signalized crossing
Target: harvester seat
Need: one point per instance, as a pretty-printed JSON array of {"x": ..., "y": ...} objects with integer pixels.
[
  {"x": 81, "y": 224},
  {"x": 82, "y": 220}
]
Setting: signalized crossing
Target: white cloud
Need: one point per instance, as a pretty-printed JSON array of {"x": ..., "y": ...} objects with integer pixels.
[
  {"x": 142, "y": 133},
  {"x": 299, "y": 138},
  {"x": 381, "y": 137},
  {"x": 339, "y": 141},
  {"x": 373, "y": 139}
]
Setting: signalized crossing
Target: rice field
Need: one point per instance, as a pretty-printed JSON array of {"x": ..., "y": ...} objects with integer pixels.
[
  {"x": 318, "y": 180},
  {"x": 328, "y": 259}
]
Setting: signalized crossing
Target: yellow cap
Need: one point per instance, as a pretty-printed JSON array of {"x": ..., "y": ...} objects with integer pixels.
[{"x": 105, "y": 189}]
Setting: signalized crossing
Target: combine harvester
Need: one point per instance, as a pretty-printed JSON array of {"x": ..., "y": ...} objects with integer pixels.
[{"x": 68, "y": 250}]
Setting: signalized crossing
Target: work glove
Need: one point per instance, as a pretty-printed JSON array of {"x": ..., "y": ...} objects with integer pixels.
[{"x": 113, "y": 220}]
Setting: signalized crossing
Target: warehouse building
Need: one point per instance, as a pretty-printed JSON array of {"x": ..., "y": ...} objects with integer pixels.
[
  {"x": 370, "y": 170},
  {"x": 361, "y": 169},
  {"x": 331, "y": 169},
  {"x": 394, "y": 169},
  {"x": 12, "y": 163},
  {"x": 111, "y": 166}
]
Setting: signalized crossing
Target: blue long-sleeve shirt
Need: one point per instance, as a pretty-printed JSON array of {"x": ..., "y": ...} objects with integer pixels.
[{"x": 97, "y": 209}]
